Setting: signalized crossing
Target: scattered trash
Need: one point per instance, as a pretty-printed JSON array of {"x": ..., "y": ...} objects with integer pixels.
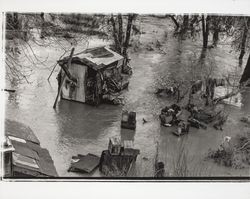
[
  {"x": 171, "y": 91},
  {"x": 112, "y": 99},
  {"x": 169, "y": 115}
]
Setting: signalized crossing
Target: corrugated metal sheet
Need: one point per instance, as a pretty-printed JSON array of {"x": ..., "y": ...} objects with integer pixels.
[
  {"x": 23, "y": 149},
  {"x": 106, "y": 60},
  {"x": 29, "y": 158},
  {"x": 96, "y": 62}
]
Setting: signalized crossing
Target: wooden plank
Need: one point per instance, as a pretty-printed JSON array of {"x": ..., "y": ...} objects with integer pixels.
[{"x": 63, "y": 78}]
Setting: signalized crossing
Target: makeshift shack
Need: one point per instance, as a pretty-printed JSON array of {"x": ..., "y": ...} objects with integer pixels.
[
  {"x": 93, "y": 75},
  {"x": 23, "y": 155}
]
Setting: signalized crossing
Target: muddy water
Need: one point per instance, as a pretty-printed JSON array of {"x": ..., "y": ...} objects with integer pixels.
[{"x": 75, "y": 128}]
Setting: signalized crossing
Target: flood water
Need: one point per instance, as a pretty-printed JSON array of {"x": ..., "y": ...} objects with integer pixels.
[{"x": 75, "y": 128}]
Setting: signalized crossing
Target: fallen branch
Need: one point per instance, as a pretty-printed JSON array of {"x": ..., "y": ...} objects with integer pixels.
[
  {"x": 10, "y": 90},
  {"x": 240, "y": 88},
  {"x": 231, "y": 94},
  {"x": 63, "y": 78}
]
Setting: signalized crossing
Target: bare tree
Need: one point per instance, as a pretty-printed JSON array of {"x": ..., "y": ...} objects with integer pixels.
[
  {"x": 244, "y": 38},
  {"x": 121, "y": 42},
  {"x": 205, "y": 29},
  {"x": 22, "y": 41},
  {"x": 246, "y": 74}
]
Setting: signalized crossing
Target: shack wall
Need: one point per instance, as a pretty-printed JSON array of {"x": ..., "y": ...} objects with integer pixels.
[{"x": 76, "y": 93}]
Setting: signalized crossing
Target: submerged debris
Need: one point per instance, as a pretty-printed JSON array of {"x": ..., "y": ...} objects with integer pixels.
[
  {"x": 119, "y": 158},
  {"x": 128, "y": 120},
  {"x": 170, "y": 91},
  {"x": 233, "y": 152},
  {"x": 183, "y": 128},
  {"x": 245, "y": 119},
  {"x": 169, "y": 115},
  {"x": 84, "y": 163}
]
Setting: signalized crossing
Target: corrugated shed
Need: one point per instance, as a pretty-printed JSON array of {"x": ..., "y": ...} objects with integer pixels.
[{"x": 29, "y": 158}]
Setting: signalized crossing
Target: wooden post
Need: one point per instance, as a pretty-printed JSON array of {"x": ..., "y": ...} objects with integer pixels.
[
  {"x": 52, "y": 71},
  {"x": 244, "y": 39},
  {"x": 64, "y": 77}
]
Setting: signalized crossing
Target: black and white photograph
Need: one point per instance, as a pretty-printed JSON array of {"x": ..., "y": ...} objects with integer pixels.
[{"x": 125, "y": 96}]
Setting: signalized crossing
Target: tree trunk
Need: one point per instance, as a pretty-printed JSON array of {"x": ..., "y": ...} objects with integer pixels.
[
  {"x": 244, "y": 38},
  {"x": 185, "y": 22},
  {"x": 246, "y": 74},
  {"x": 215, "y": 36},
  {"x": 128, "y": 32},
  {"x": 15, "y": 21},
  {"x": 175, "y": 22},
  {"x": 116, "y": 40},
  {"x": 192, "y": 22},
  {"x": 42, "y": 34},
  {"x": 205, "y": 30},
  {"x": 184, "y": 26},
  {"x": 120, "y": 31}
]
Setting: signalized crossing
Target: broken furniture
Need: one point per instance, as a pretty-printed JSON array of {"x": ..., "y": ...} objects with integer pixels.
[
  {"x": 182, "y": 129},
  {"x": 196, "y": 123},
  {"x": 128, "y": 120},
  {"x": 169, "y": 115},
  {"x": 119, "y": 158}
]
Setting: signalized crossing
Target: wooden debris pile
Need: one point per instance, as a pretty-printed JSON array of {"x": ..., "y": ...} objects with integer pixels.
[{"x": 233, "y": 152}]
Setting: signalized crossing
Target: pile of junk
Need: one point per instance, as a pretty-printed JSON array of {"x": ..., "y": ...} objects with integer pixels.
[
  {"x": 197, "y": 112},
  {"x": 117, "y": 160},
  {"x": 190, "y": 116}
]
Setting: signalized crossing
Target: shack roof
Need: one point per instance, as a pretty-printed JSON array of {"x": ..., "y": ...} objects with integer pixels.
[
  {"x": 19, "y": 130},
  {"x": 28, "y": 154},
  {"x": 96, "y": 58}
]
